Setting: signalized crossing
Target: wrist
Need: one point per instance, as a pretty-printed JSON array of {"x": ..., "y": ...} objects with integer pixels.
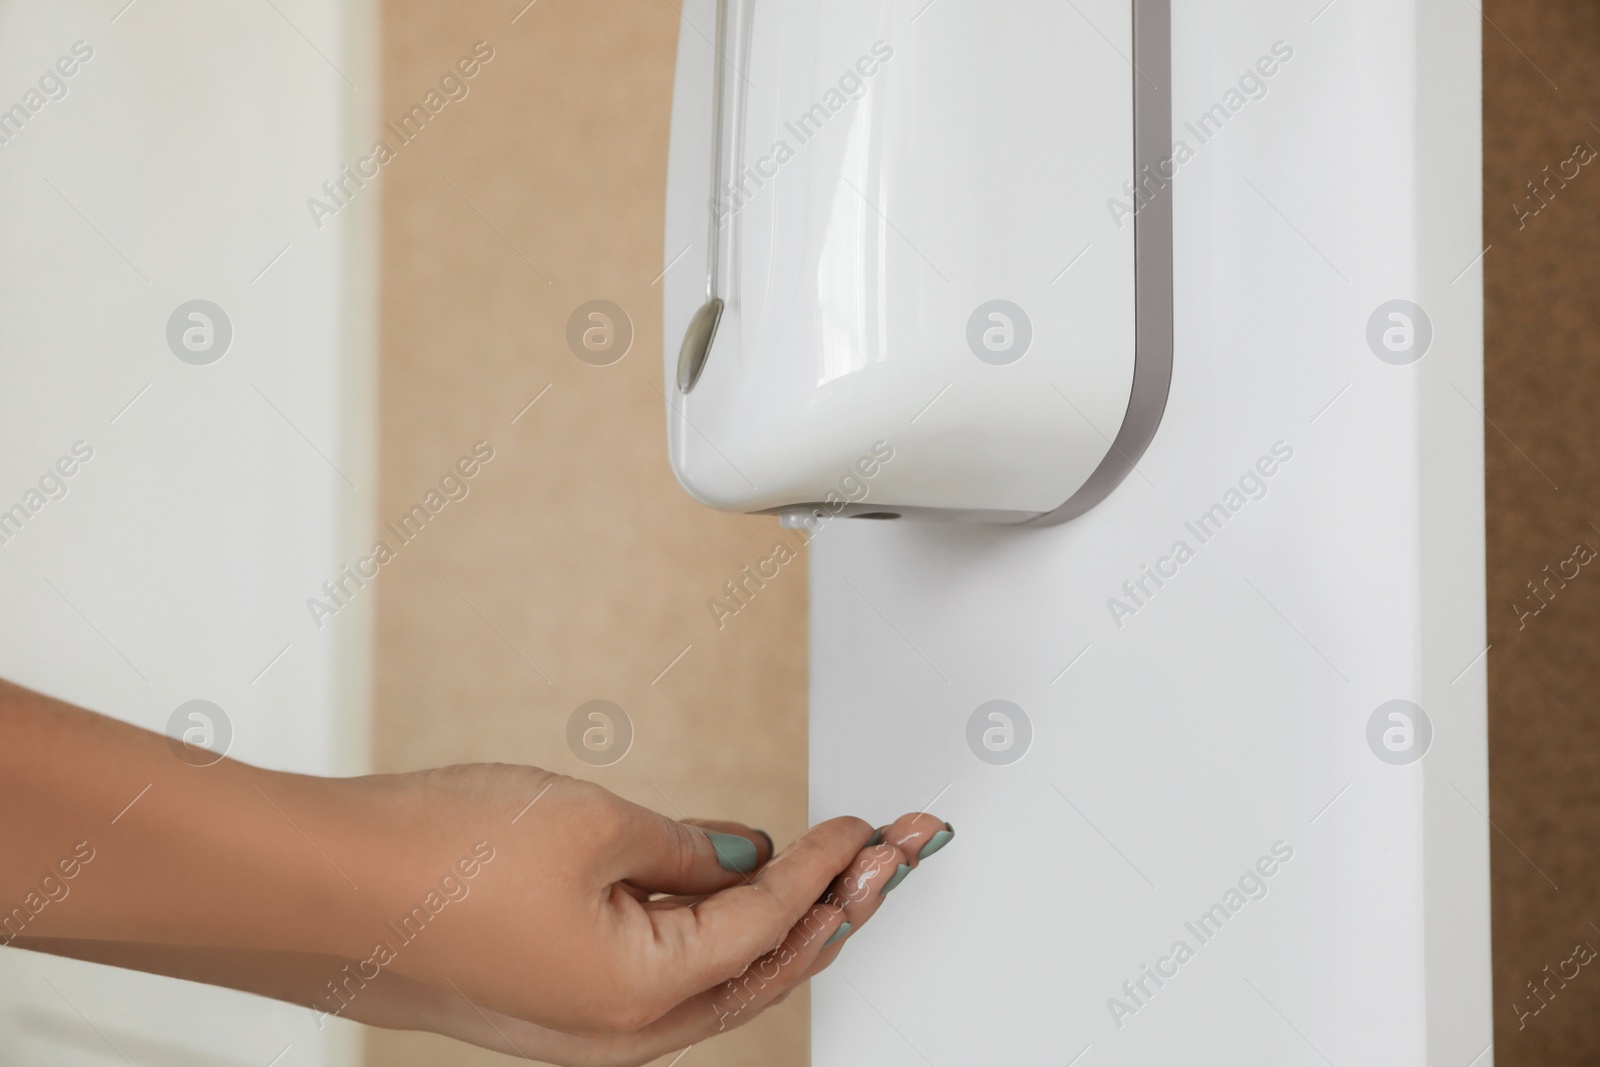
[{"x": 396, "y": 874}]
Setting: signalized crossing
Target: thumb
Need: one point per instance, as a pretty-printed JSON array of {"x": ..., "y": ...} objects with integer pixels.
[{"x": 692, "y": 858}]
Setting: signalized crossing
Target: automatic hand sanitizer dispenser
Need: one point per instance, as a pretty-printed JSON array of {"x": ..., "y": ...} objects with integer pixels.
[{"x": 919, "y": 255}]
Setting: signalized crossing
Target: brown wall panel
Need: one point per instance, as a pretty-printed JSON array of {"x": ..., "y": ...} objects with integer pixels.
[
  {"x": 1542, "y": 276},
  {"x": 576, "y": 568}
]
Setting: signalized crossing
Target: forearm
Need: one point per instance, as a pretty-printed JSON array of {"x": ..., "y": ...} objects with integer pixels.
[
  {"x": 105, "y": 834},
  {"x": 304, "y": 979},
  {"x": 331, "y": 987},
  {"x": 321, "y": 983}
]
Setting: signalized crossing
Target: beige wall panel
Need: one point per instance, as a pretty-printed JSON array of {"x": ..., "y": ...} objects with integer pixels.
[{"x": 579, "y": 568}]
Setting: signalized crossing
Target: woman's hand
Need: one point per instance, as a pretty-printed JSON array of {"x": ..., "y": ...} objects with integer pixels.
[
  {"x": 474, "y": 900},
  {"x": 393, "y": 1001},
  {"x": 562, "y": 905},
  {"x": 807, "y": 946}
]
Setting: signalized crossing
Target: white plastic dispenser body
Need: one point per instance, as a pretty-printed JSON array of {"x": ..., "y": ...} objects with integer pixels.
[{"x": 919, "y": 256}]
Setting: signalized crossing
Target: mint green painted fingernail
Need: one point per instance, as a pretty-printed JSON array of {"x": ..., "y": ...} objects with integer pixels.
[
  {"x": 734, "y": 853},
  {"x": 936, "y": 842},
  {"x": 876, "y": 839},
  {"x": 843, "y": 931},
  {"x": 895, "y": 879}
]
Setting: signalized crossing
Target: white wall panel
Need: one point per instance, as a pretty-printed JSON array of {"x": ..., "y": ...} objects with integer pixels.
[
  {"x": 1230, "y": 712},
  {"x": 219, "y": 497}
]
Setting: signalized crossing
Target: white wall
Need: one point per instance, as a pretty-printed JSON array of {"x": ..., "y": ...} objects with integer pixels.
[
  {"x": 218, "y": 497},
  {"x": 1230, "y": 712}
]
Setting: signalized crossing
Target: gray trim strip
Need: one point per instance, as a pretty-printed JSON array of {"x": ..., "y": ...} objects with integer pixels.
[
  {"x": 718, "y": 90},
  {"x": 702, "y": 330},
  {"x": 875, "y": 509},
  {"x": 1152, "y": 224}
]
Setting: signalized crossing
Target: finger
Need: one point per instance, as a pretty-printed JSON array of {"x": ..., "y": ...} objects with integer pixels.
[
  {"x": 809, "y": 945},
  {"x": 852, "y": 898},
  {"x": 771, "y": 977},
  {"x": 918, "y": 836},
  {"x": 764, "y": 847},
  {"x": 641, "y": 895},
  {"x": 858, "y": 891},
  {"x": 761, "y": 837},
  {"x": 662, "y": 855},
  {"x": 736, "y": 1001},
  {"x": 719, "y": 937},
  {"x": 893, "y": 853}
]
